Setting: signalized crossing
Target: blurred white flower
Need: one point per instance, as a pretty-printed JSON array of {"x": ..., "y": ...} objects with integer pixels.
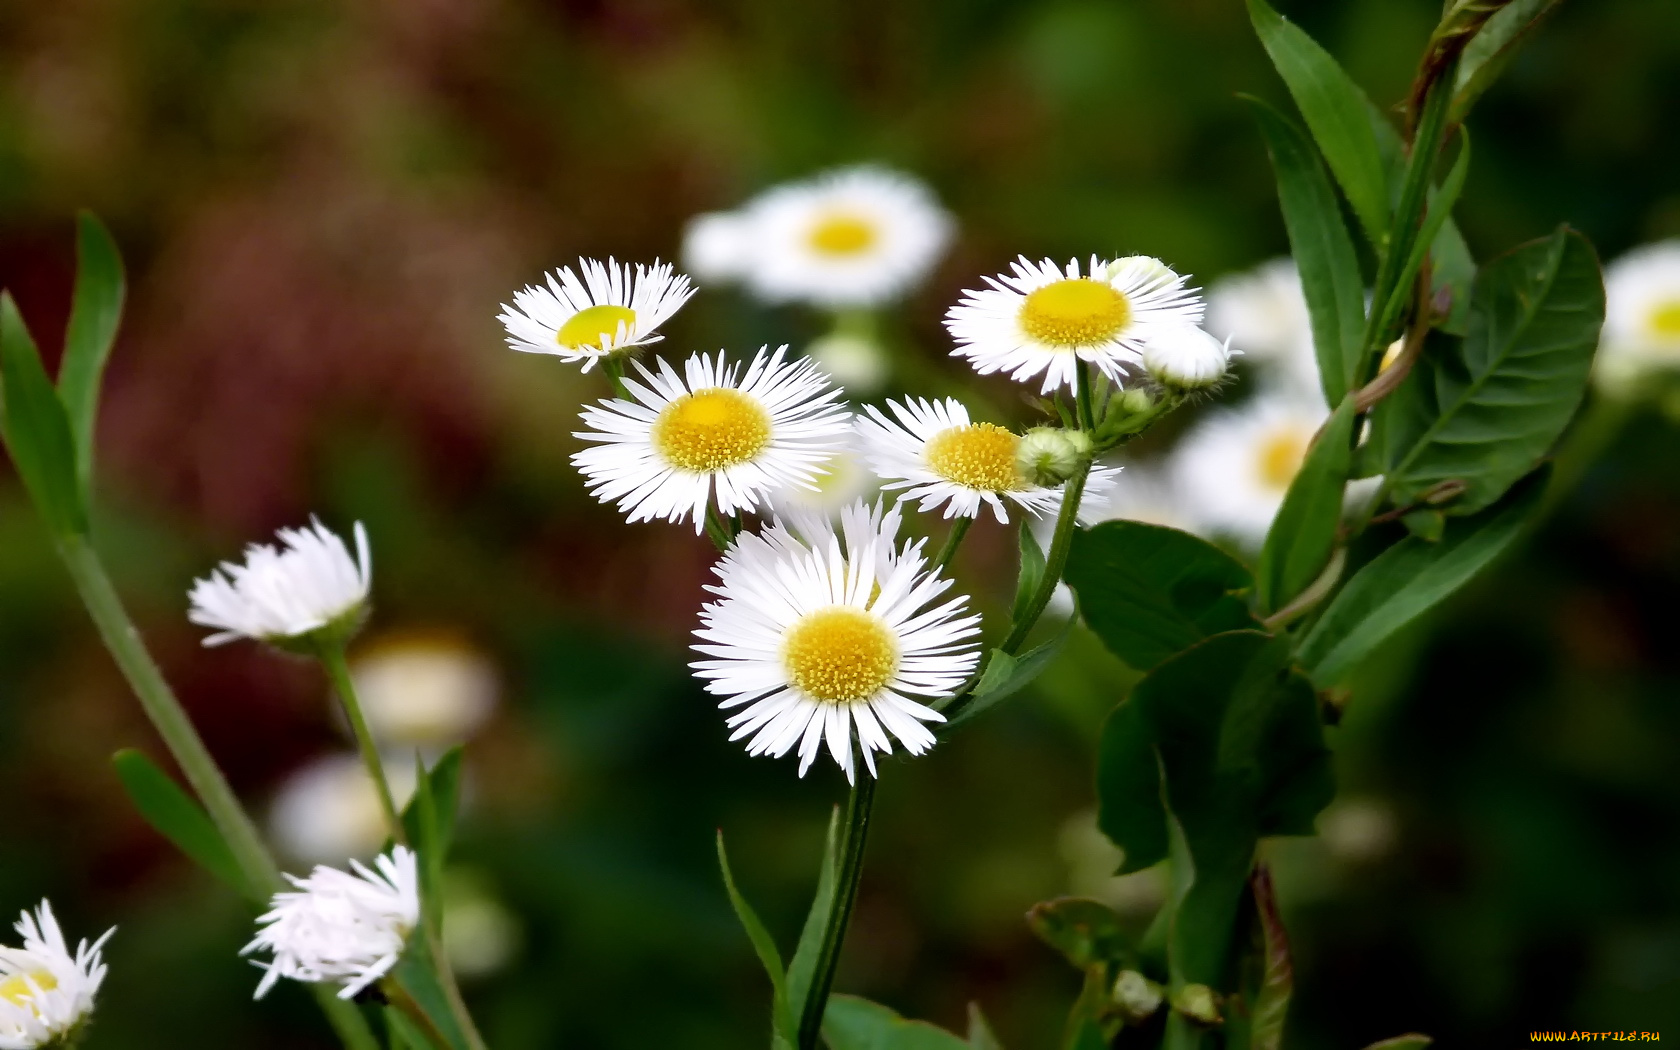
[
  {"x": 46, "y": 993},
  {"x": 1232, "y": 469},
  {"x": 717, "y": 247},
  {"x": 480, "y": 934},
  {"x": 1359, "y": 830},
  {"x": 328, "y": 811},
  {"x": 854, "y": 237},
  {"x": 1641, "y": 317},
  {"x": 1041, "y": 319},
  {"x": 845, "y": 479},
  {"x": 608, "y": 309},
  {"x": 426, "y": 691},
  {"x": 348, "y": 928},
  {"x": 1263, "y": 314},
  {"x": 1141, "y": 491},
  {"x": 282, "y": 594},
  {"x": 856, "y": 363}
]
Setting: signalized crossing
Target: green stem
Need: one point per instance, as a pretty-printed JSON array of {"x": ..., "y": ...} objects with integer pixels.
[
  {"x": 338, "y": 670},
  {"x": 1055, "y": 559},
  {"x": 451, "y": 987},
  {"x": 1082, "y": 397},
  {"x": 718, "y": 530},
  {"x": 953, "y": 540},
  {"x": 859, "y": 806},
  {"x": 613, "y": 366},
  {"x": 203, "y": 776}
]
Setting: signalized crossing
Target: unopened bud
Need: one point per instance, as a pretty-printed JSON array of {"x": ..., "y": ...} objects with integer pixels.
[
  {"x": 1137, "y": 996},
  {"x": 1199, "y": 1003},
  {"x": 1186, "y": 358},
  {"x": 1155, "y": 271},
  {"x": 1136, "y": 401},
  {"x": 1048, "y": 456}
]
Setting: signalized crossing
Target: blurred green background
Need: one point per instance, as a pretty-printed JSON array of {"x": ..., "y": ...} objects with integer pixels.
[{"x": 322, "y": 206}]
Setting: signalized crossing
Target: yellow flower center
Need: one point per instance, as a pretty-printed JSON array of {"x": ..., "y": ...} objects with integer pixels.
[
  {"x": 840, "y": 655},
  {"x": 1281, "y": 455},
  {"x": 977, "y": 456},
  {"x": 593, "y": 326},
  {"x": 841, "y": 234},
  {"x": 15, "y": 989},
  {"x": 1665, "y": 319},
  {"x": 1075, "y": 312},
  {"x": 711, "y": 429}
]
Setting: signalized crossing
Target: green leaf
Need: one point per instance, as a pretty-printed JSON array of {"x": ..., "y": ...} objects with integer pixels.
[
  {"x": 1032, "y": 571},
  {"x": 1086, "y": 932},
  {"x": 1323, "y": 251},
  {"x": 802, "y": 967},
  {"x": 1007, "y": 675},
  {"x": 1089, "y": 1036},
  {"x": 1410, "y": 1041},
  {"x": 1490, "y": 51},
  {"x": 1485, "y": 411},
  {"x": 174, "y": 815},
  {"x": 980, "y": 1034},
  {"x": 1149, "y": 591},
  {"x": 764, "y": 945},
  {"x": 405, "y": 1034},
  {"x": 1435, "y": 221},
  {"x": 417, "y": 976},
  {"x": 35, "y": 427},
  {"x": 1277, "y": 981},
  {"x": 1303, "y": 535},
  {"x": 95, "y": 311},
  {"x": 858, "y": 1024},
  {"x": 429, "y": 823},
  {"x": 1407, "y": 579},
  {"x": 1335, "y": 110}
]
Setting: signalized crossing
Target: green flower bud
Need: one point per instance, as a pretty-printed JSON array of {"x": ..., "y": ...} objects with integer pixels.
[
  {"x": 1137, "y": 996},
  {"x": 1199, "y": 1003},
  {"x": 1048, "y": 456},
  {"x": 1136, "y": 401}
]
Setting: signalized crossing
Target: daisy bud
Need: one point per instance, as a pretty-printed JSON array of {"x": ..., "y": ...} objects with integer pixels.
[
  {"x": 1137, "y": 996},
  {"x": 1048, "y": 455},
  {"x": 297, "y": 596},
  {"x": 1188, "y": 359},
  {"x": 1199, "y": 1003},
  {"x": 1136, "y": 401},
  {"x": 46, "y": 994}
]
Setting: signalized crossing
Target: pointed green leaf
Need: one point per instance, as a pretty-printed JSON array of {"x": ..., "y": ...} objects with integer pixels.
[
  {"x": 803, "y": 966},
  {"x": 1490, "y": 51},
  {"x": 1335, "y": 109},
  {"x": 1303, "y": 535},
  {"x": 35, "y": 427},
  {"x": 174, "y": 815},
  {"x": 1435, "y": 220},
  {"x": 403, "y": 1033},
  {"x": 858, "y": 1024},
  {"x": 1323, "y": 251},
  {"x": 1032, "y": 571},
  {"x": 416, "y": 975},
  {"x": 1412, "y": 1041},
  {"x": 1086, "y": 932},
  {"x": 1149, "y": 591},
  {"x": 764, "y": 945},
  {"x": 980, "y": 1034},
  {"x": 1007, "y": 675},
  {"x": 1408, "y": 579},
  {"x": 1485, "y": 410},
  {"x": 95, "y": 311},
  {"x": 431, "y": 813}
]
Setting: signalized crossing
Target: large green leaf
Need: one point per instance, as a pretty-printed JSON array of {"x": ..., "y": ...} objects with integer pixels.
[
  {"x": 1303, "y": 535},
  {"x": 1323, "y": 251},
  {"x": 781, "y": 1020},
  {"x": 858, "y": 1024},
  {"x": 1484, "y": 414},
  {"x": 35, "y": 427},
  {"x": 1149, "y": 591},
  {"x": 1335, "y": 110},
  {"x": 175, "y": 816},
  {"x": 1409, "y": 578},
  {"x": 95, "y": 311}
]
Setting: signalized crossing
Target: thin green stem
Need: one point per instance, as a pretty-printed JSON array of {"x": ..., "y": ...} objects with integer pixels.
[
  {"x": 1055, "y": 559},
  {"x": 859, "y": 807},
  {"x": 613, "y": 366},
  {"x": 164, "y": 711},
  {"x": 451, "y": 987},
  {"x": 718, "y": 530},
  {"x": 338, "y": 670},
  {"x": 953, "y": 540},
  {"x": 1082, "y": 397}
]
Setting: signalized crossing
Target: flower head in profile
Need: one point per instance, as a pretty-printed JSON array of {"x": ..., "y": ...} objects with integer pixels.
[
  {"x": 1187, "y": 359},
  {"x": 714, "y": 431},
  {"x": 344, "y": 927},
  {"x": 46, "y": 993},
  {"x": 932, "y": 452},
  {"x": 595, "y": 311},
  {"x": 854, "y": 237},
  {"x": 822, "y": 635},
  {"x": 1042, "y": 319},
  {"x": 1641, "y": 316},
  {"x": 288, "y": 593}
]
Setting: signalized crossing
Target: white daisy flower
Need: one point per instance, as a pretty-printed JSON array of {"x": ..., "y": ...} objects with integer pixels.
[
  {"x": 1641, "y": 316},
  {"x": 854, "y": 237},
  {"x": 344, "y": 927},
  {"x": 284, "y": 593},
  {"x": 424, "y": 690},
  {"x": 817, "y": 630},
  {"x": 46, "y": 993},
  {"x": 608, "y": 309},
  {"x": 934, "y": 453},
  {"x": 714, "y": 428},
  {"x": 1232, "y": 470},
  {"x": 717, "y": 246},
  {"x": 1042, "y": 319}
]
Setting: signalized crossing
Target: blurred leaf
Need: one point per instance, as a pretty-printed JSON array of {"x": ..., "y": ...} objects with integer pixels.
[
  {"x": 1407, "y": 579},
  {"x": 980, "y": 1034},
  {"x": 1412, "y": 1041},
  {"x": 1277, "y": 984},
  {"x": 1330, "y": 278},
  {"x": 36, "y": 430},
  {"x": 858, "y": 1024},
  {"x": 1087, "y": 932},
  {"x": 782, "y": 1025},
  {"x": 802, "y": 968},
  {"x": 1032, "y": 571},
  {"x": 429, "y": 822},
  {"x": 1089, "y": 1036},
  {"x": 1435, "y": 220},
  {"x": 1335, "y": 110},
  {"x": 1007, "y": 675},
  {"x": 416, "y": 975},
  {"x": 174, "y": 815},
  {"x": 405, "y": 1034},
  {"x": 1303, "y": 535},
  {"x": 1426, "y": 523},
  {"x": 95, "y": 312},
  {"x": 1149, "y": 591},
  {"x": 1485, "y": 413},
  {"x": 1491, "y": 50}
]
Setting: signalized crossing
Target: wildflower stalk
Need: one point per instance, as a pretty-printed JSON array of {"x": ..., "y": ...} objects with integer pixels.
[
  {"x": 859, "y": 807},
  {"x": 953, "y": 540},
  {"x": 164, "y": 711},
  {"x": 332, "y": 658}
]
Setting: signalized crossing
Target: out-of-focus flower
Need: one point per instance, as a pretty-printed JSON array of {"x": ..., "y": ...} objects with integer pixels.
[
  {"x": 717, "y": 246},
  {"x": 1187, "y": 359},
  {"x": 1358, "y": 830},
  {"x": 857, "y": 363},
  {"x": 426, "y": 691},
  {"x": 1232, "y": 470},
  {"x": 817, "y": 630},
  {"x": 936, "y": 455},
  {"x": 1092, "y": 861},
  {"x": 845, "y": 479},
  {"x": 663, "y": 454},
  {"x": 1641, "y": 317},
  {"x": 1041, "y": 319},
  {"x": 344, "y": 927},
  {"x": 46, "y": 993},
  {"x": 480, "y": 934},
  {"x": 328, "y": 811},
  {"x": 307, "y": 587},
  {"x": 1263, "y": 313},
  {"x": 854, "y": 237},
  {"x": 1139, "y": 492},
  {"x": 610, "y": 308}
]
